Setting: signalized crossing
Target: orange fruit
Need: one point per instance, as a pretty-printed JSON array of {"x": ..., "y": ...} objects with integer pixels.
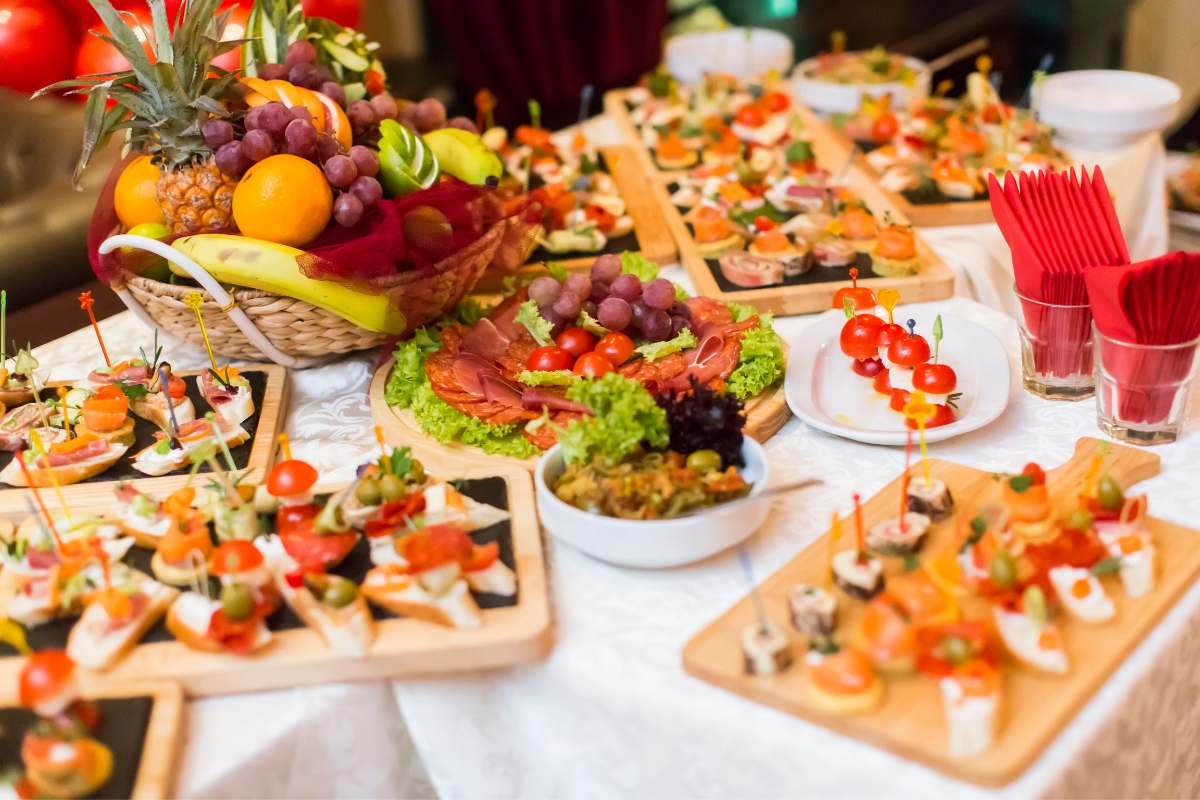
[
  {"x": 135, "y": 196},
  {"x": 283, "y": 199},
  {"x": 337, "y": 124}
]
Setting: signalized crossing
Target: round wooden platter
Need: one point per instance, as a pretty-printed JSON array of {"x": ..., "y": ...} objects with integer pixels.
[{"x": 765, "y": 415}]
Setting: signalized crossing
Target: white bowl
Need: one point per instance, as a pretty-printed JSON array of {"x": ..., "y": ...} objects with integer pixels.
[
  {"x": 653, "y": 543},
  {"x": 1106, "y": 108},
  {"x": 826, "y": 97},
  {"x": 690, "y": 55}
]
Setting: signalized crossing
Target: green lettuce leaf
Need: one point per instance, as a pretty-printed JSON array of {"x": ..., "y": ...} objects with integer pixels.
[
  {"x": 681, "y": 293},
  {"x": 760, "y": 363},
  {"x": 591, "y": 325},
  {"x": 561, "y": 377},
  {"x": 467, "y": 312},
  {"x": 538, "y": 326},
  {"x": 653, "y": 351},
  {"x": 637, "y": 264},
  {"x": 447, "y": 424},
  {"x": 742, "y": 313},
  {"x": 409, "y": 373},
  {"x": 624, "y": 416}
]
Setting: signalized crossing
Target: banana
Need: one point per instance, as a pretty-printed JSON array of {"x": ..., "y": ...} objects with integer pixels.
[
  {"x": 272, "y": 267},
  {"x": 464, "y": 155}
]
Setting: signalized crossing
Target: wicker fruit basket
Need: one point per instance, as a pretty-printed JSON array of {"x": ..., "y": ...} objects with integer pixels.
[{"x": 254, "y": 325}]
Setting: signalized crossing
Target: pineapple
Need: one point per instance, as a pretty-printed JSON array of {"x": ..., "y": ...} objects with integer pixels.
[{"x": 161, "y": 103}]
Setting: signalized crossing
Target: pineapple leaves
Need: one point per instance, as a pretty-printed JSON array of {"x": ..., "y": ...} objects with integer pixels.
[
  {"x": 124, "y": 39},
  {"x": 134, "y": 101},
  {"x": 206, "y": 103},
  {"x": 163, "y": 50},
  {"x": 93, "y": 128}
]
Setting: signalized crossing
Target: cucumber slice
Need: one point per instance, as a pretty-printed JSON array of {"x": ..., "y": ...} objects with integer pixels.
[
  {"x": 354, "y": 91},
  {"x": 348, "y": 58}
]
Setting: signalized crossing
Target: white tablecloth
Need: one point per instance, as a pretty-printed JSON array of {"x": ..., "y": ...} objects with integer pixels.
[{"x": 611, "y": 712}]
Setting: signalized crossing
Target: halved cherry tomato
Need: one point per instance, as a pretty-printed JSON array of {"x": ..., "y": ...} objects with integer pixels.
[
  {"x": 616, "y": 347},
  {"x": 1036, "y": 473},
  {"x": 576, "y": 341},
  {"x": 751, "y": 116},
  {"x": 373, "y": 81},
  {"x": 776, "y": 102},
  {"x": 944, "y": 415},
  {"x": 550, "y": 359},
  {"x": 482, "y": 557},
  {"x": 899, "y": 399},
  {"x": 763, "y": 223},
  {"x": 868, "y": 368},
  {"x": 176, "y": 386},
  {"x": 935, "y": 378},
  {"x": 593, "y": 365},
  {"x": 884, "y": 128},
  {"x": 883, "y": 382}
]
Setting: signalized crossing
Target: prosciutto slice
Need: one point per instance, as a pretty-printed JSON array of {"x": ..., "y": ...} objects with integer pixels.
[
  {"x": 536, "y": 399},
  {"x": 468, "y": 367},
  {"x": 498, "y": 390},
  {"x": 89, "y": 451},
  {"x": 16, "y": 424},
  {"x": 139, "y": 374},
  {"x": 486, "y": 341}
]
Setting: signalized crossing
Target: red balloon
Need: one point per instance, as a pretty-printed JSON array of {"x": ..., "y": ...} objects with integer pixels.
[
  {"x": 36, "y": 43},
  {"x": 98, "y": 56},
  {"x": 344, "y": 12}
]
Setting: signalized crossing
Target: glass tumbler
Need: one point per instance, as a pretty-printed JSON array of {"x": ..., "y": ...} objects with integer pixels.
[
  {"x": 1056, "y": 349},
  {"x": 1143, "y": 391}
]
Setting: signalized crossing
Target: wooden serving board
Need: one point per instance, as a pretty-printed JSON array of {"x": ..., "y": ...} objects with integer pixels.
[
  {"x": 651, "y": 237},
  {"x": 910, "y": 723},
  {"x": 142, "y": 723},
  {"x": 921, "y": 214},
  {"x": 617, "y": 109},
  {"x": 513, "y": 631},
  {"x": 765, "y": 415},
  {"x": 269, "y": 387}
]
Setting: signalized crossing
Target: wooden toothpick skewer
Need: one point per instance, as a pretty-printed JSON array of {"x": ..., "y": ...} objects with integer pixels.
[
  {"x": 759, "y": 608},
  {"x": 383, "y": 454},
  {"x": 62, "y": 401},
  {"x": 285, "y": 447},
  {"x": 835, "y": 533},
  {"x": 194, "y": 300},
  {"x": 86, "y": 302},
  {"x": 20, "y": 457},
  {"x": 37, "y": 443}
]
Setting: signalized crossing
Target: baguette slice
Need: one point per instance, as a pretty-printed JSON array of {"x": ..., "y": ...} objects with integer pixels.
[
  {"x": 233, "y": 438},
  {"x": 67, "y": 474},
  {"x": 12, "y": 398},
  {"x": 153, "y": 408},
  {"x": 240, "y": 408},
  {"x": 174, "y": 575},
  {"x": 122, "y": 435},
  {"x": 94, "y": 647},
  {"x": 454, "y": 608},
  {"x": 348, "y": 631},
  {"x": 201, "y": 641}
]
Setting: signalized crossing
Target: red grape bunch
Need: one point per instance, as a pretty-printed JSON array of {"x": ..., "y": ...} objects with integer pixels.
[
  {"x": 273, "y": 128},
  {"x": 619, "y": 302}
]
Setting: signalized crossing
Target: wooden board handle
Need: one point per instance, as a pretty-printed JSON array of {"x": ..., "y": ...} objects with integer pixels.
[{"x": 1128, "y": 465}]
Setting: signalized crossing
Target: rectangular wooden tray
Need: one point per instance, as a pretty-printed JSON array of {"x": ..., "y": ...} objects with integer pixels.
[
  {"x": 162, "y": 741},
  {"x": 269, "y": 409},
  {"x": 403, "y": 647},
  {"x": 910, "y": 722},
  {"x": 615, "y": 107},
  {"x": 934, "y": 281},
  {"x": 923, "y": 215},
  {"x": 654, "y": 238}
]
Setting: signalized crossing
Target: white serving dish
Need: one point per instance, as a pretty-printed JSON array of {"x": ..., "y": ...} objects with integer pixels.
[
  {"x": 653, "y": 544},
  {"x": 690, "y": 55},
  {"x": 1106, "y": 108},
  {"x": 822, "y": 390},
  {"x": 825, "y": 97}
]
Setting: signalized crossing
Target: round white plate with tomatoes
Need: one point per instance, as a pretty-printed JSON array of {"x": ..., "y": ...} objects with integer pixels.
[{"x": 828, "y": 390}]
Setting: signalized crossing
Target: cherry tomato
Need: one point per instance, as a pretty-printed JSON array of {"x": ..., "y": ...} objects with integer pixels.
[
  {"x": 888, "y": 334},
  {"x": 1036, "y": 473},
  {"x": 935, "y": 379},
  {"x": 776, "y": 102},
  {"x": 883, "y": 382},
  {"x": 576, "y": 341},
  {"x": 884, "y": 128},
  {"x": 864, "y": 298},
  {"x": 868, "y": 368},
  {"x": 291, "y": 477},
  {"x": 858, "y": 336},
  {"x": 549, "y": 359},
  {"x": 899, "y": 399},
  {"x": 751, "y": 116},
  {"x": 943, "y": 416},
  {"x": 176, "y": 387},
  {"x": 909, "y": 350},
  {"x": 593, "y": 365},
  {"x": 763, "y": 223},
  {"x": 616, "y": 347}
]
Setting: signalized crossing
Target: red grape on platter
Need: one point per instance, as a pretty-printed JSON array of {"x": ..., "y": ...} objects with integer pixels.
[
  {"x": 229, "y": 159},
  {"x": 274, "y": 118},
  {"x": 384, "y": 106},
  {"x": 638, "y": 311},
  {"x": 656, "y": 326},
  {"x": 430, "y": 115},
  {"x": 301, "y": 137},
  {"x": 334, "y": 92},
  {"x": 545, "y": 290},
  {"x": 659, "y": 293},
  {"x": 327, "y": 147},
  {"x": 627, "y": 287},
  {"x": 567, "y": 305},
  {"x": 305, "y": 76},
  {"x": 216, "y": 132},
  {"x": 361, "y": 114},
  {"x": 273, "y": 72},
  {"x": 300, "y": 112},
  {"x": 614, "y": 314},
  {"x": 606, "y": 268},
  {"x": 462, "y": 123},
  {"x": 578, "y": 284},
  {"x": 301, "y": 51},
  {"x": 340, "y": 171},
  {"x": 600, "y": 291},
  {"x": 366, "y": 160}
]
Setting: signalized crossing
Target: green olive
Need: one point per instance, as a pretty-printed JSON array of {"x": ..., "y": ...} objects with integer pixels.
[
  {"x": 1003, "y": 570},
  {"x": 368, "y": 493},
  {"x": 957, "y": 650},
  {"x": 391, "y": 487},
  {"x": 339, "y": 592},
  {"x": 237, "y": 602},
  {"x": 1110, "y": 495},
  {"x": 1080, "y": 519},
  {"x": 704, "y": 461},
  {"x": 416, "y": 473}
]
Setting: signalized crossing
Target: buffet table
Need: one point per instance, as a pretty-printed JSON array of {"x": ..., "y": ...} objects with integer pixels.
[{"x": 611, "y": 711}]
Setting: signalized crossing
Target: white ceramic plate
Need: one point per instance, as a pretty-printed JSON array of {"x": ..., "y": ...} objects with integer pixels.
[
  {"x": 823, "y": 391},
  {"x": 741, "y": 52},
  {"x": 826, "y": 97}
]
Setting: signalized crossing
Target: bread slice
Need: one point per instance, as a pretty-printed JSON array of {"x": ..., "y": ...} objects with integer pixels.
[
  {"x": 67, "y": 474},
  {"x": 454, "y": 608},
  {"x": 122, "y": 435},
  {"x": 240, "y": 408},
  {"x": 857, "y": 703},
  {"x": 348, "y": 631},
  {"x": 93, "y": 647},
  {"x": 201, "y": 641},
  {"x": 233, "y": 438},
  {"x": 153, "y": 407},
  {"x": 12, "y": 398},
  {"x": 175, "y": 575}
]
